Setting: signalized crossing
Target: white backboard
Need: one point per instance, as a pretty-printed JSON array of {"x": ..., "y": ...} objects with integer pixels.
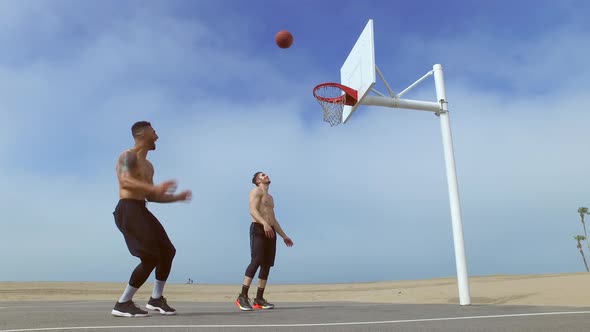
[{"x": 358, "y": 71}]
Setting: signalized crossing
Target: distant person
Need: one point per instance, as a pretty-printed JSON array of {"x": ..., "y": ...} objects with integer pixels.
[
  {"x": 263, "y": 243},
  {"x": 144, "y": 235}
]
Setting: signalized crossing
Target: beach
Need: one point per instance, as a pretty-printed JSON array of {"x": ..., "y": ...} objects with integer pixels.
[{"x": 571, "y": 289}]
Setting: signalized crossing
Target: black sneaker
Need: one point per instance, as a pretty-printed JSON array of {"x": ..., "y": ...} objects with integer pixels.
[
  {"x": 262, "y": 304},
  {"x": 128, "y": 309},
  {"x": 160, "y": 305},
  {"x": 243, "y": 303}
]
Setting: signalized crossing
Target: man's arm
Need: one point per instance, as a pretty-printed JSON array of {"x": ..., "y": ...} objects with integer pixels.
[
  {"x": 280, "y": 231},
  {"x": 165, "y": 197},
  {"x": 169, "y": 198},
  {"x": 162, "y": 197},
  {"x": 277, "y": 226},
  {"x": 127, "y": 163}
]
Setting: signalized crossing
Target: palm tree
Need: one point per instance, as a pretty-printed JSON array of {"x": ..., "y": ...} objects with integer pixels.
[
  {"x": 583, "y": 211},
  {"x": 580, "y": 238}
]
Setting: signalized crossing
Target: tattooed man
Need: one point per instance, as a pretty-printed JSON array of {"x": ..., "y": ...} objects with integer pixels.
[{"x": 145, "y": 237}]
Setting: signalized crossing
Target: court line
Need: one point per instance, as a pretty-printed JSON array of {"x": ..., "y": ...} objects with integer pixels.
[{"x": 296, "y": 325}]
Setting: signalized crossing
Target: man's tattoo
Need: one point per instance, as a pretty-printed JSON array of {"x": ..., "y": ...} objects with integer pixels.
[{"x": 127, "y": 162}]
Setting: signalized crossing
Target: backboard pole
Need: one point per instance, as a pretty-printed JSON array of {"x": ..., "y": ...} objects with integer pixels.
[{"x": 445, "y": 125}]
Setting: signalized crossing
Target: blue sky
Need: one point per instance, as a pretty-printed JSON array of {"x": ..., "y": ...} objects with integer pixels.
[{"x": 364, "y": 201}]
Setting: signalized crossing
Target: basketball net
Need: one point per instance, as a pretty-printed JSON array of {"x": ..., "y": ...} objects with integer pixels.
[
  {"x": 332, "y": 97},
  {"x": 332, "y": 102}
]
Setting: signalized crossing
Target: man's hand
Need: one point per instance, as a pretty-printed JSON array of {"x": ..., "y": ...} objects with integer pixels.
[
  {"x": 288, "y": 241},
  {"x": 185, "y": 196},
  {"x": 268, "y": 231},
  {"x": 167, "y": 187}
]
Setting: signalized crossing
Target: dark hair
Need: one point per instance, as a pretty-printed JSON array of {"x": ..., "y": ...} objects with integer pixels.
[
  {"x": 254, "y": 178},
  {"x": 137, "y": 127}
]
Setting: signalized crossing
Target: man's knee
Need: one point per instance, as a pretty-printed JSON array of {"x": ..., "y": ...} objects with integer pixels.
[
  {"x": 256, "y": 261},
  {"x": 168, "y": 253},
  {"x": 172, "y": 253},
  {"x": 251, "y": 269},
  {"x": 148, "y": 262},
  {"x": 264, "y": 272}
]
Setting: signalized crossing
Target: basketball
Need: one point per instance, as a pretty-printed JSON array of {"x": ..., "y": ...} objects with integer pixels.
[{"x": 284, "y": 39}]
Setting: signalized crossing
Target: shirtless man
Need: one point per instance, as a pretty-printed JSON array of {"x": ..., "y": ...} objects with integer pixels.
[
  {"x": 263, "y": 242},
  {"x": 144, "y": 235}
]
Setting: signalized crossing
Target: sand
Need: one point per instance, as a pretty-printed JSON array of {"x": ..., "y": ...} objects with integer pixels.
[{"x": 571, "y": 289}]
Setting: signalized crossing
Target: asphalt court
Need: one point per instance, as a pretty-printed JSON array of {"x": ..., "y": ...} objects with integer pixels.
[{"x": 295, "y": 316}]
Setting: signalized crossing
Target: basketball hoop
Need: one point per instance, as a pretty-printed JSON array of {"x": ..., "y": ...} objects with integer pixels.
[{"x": 332, "y": 97}]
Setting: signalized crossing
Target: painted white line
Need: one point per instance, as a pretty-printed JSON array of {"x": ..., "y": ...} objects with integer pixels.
[{"x": 293, "y": 325}]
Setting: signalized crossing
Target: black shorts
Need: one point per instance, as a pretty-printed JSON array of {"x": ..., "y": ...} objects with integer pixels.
[
  {"x": 262, "y": 249},
  {"x": 143, "y": 233}
]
